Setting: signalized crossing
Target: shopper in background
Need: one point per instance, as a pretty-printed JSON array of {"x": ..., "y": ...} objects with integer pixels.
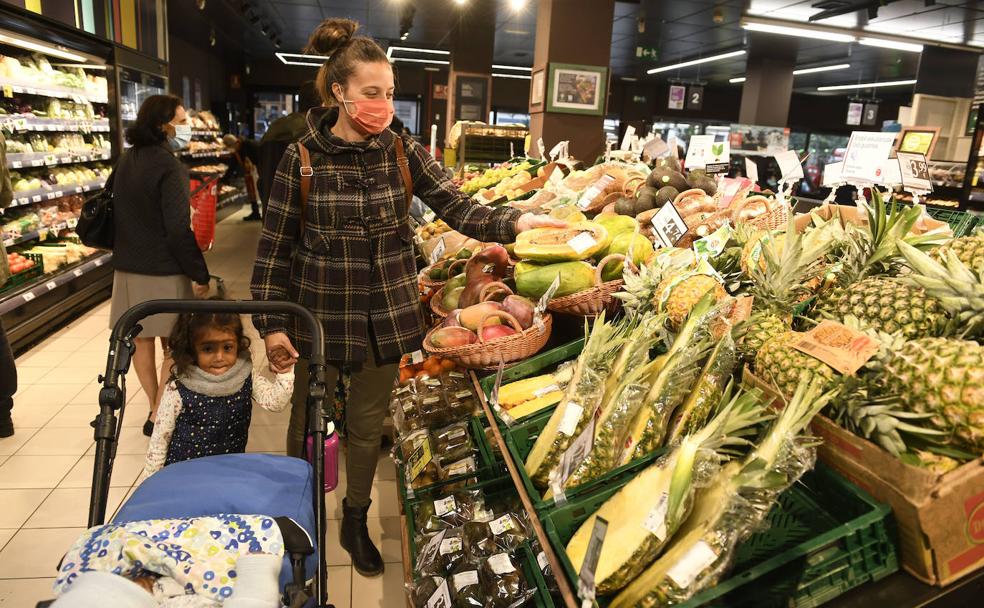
[
  {"x": 155, "y": 255},
  {"x": 283, "y": 132},
  {"x": 8, "y": 371},
  {"x": 246, "y": 152},
  {"x": 347, "y": 254}
]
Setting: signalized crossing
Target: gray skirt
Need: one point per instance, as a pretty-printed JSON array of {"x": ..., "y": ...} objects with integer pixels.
[{"x": 130, "y": 289}]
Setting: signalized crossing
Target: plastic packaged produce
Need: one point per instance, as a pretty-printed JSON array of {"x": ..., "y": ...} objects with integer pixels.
[{"x": 503, "y": 582}]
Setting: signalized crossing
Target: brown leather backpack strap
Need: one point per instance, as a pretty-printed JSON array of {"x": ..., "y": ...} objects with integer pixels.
[
  {"x": 404, "y": 166},
  {"x": 307, "y": 171}
]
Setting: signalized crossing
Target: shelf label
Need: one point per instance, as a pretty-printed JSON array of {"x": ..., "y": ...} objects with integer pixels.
[
  {"x": 78, "y": 272},
  {"x": 8, "y": 91},
  {"x": 99, "y": 262},
  {"x": 915, "y": 172},
  {"x": 36, "y": 198},
  {"x": 59, "y": 194},
  {"x": 51, "y": 285},
  {"x": 51, "y": 159},
  {"x": 16, "y": 164},
  {"x": 72, "y": 223},
  {"x": 29, "y": 296}
]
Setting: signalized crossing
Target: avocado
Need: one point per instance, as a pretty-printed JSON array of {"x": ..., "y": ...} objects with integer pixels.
[
  {"x": 705, "y": 183},
  {"x": 625, "y": 206},
  {"x": 666, "y": 194},
  {"x": 666, "y": 177},
  {"x": 669, "y": 162},
  {"x": 646, "y": 200}
]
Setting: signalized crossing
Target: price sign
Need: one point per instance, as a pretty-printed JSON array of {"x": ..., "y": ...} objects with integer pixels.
[
  {"x": 627, "y": 138},
  {"x": 866, "y": 152},
  {"x": 586, "y": 577},
  {"x": 915, "y": 172},
  {"x": 891, "y": 174},
  {"x": 699, "y": 151},
  {"x": 789, "y": 165},
  {"x": 439, "y": 250},
  {"x": 751, "y": 170},
  {"x": 655, "y": 147},
  {"x": 16, "y": 164},
  {"x": 832, "y": 177},
  {"x": 8, "y": 91},
  {"x": 549, "y": 293},
  {"x": 669, "y": 225}
]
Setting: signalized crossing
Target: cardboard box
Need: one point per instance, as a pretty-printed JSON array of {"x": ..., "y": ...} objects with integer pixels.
[
  {"x": 940, "y": 517},
  {"x": 852, "y": 215}
]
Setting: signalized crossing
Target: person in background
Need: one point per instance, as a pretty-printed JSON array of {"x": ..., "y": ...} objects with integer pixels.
[
  {"x": 8, "y": 371},
  {"x": 247, "y": 155},
  {"x": 283, "y": 132},
  {"x": 346, "y": 253},
  {"x": 155, "y": 255}
]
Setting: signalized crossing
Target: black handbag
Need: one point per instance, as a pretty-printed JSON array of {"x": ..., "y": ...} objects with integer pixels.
[{"x": 95, "y": 227}]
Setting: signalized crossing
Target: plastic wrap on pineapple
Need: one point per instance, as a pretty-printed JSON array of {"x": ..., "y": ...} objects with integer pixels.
[
  {"x": 503, "y": 582},
  {"x": 434, "y": 515},
  {"x": 694, "y": 412}
]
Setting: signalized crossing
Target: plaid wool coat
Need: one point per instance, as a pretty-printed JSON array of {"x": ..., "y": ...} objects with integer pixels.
[{"x": 352, "y": 263}]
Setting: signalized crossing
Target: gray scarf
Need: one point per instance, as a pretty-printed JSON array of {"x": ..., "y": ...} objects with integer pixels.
[{"x": 223, "y": 385}]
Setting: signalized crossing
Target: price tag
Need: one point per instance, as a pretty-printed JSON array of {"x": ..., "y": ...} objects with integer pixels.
[
  {"x": 78, "y": 189},
  {"x": 438, "y": 251},
  {"x": 21, "y": 124},
  {"x": 891, "y": 173},
  {"x": 572, "y": 415},
  {"x": 419, "y": 459},
  {"x": 498, "y": 383},
  {"x": 548, "y": 294},
  {"x": 582, "y": 242},
  {"x": 443, "y": 506},
  {"x": 16, "y": 164},
  {"x": 656, "y": 520},
  {"x": 9, "y": 243},
  {"x": 36, "y": 198},
  {"x": 832, "y": 175},
  {"x": 502, "y": 525},
  {"x": 99, "y": 262},
  {"x": 866, "y": 151},
  {"x": 50, "y": 159},
  {"x": 586, "y": 577},
  {"x": 751, "y": 170},
  {"x": 450, "y": 546},
  {"x": 38, "y": 162},
  {"x": 626, "y": 144},
  {"x": 29, "y": 296},
  {"x": 694, "y": 561},
  {"x": 77, "y": 272},
  {"x": 789, "y": 165},
  {"x": 465, "y": 579},
  {"x": 51, "y": 285},
  {"x": 594, "y": 191},
  {"x": 915, "y": 172},
  {"x": 416, "y": 357},
  {"x": 8, "y": 91},
  {"x": 699, "y": 151},
  {"x": 669, "y": 225},
  {"x": 501, "y": 564},
  {"x": 58, "y": 194},
  {"x": 542, "y": 561}
]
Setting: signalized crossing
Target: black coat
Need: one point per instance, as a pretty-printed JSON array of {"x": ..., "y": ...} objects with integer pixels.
[{"x": 152, "y": 215}]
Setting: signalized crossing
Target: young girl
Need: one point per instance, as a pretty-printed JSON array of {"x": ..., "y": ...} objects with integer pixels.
[{"x": 205, "y": 409}]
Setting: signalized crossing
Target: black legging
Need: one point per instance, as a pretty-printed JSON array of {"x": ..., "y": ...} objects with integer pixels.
[{"x": 8, "y": 375}]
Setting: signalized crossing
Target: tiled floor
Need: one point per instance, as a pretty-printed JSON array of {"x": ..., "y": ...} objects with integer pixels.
[{"x": 46, "y": 467}]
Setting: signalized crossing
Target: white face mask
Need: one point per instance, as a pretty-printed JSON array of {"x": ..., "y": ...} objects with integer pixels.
[{"x": 181, "y": 138}]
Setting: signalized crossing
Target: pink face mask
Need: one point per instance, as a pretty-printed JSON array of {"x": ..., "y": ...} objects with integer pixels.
[{"x": 371, "y": 116}]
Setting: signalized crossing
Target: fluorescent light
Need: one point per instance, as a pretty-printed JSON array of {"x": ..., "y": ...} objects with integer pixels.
[
  {"x": 412, "y": 60},
  {"x": 410, "y": 49},
  {"x": 517, "y": 68},
  {"x": 630, "y": 79},
  {"x": 519, "y": 76},
  {"x": 311, "y": 60},
  {"x": 517, "y": 5},
  {"x": 867, "y": 85},
  {"x": 460, "y": 2},
  {"x": 822, "y": 68},
  {"x": 84, "y": 66},
  {"x": 431, "y": 69},
  {"x": 799, "y": 32},
  {"x": 736, "y": 80},
  {"x": 42, "y": 48},
  {"x": 684, "y": 64},
  {"x": 891, "y": 44}
]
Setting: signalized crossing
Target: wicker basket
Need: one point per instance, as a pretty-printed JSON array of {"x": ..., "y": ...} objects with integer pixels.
[
  {"x": 435, "y": 303},
  {"x": 591, "y": 302},
  {"x": 481, "y": 354},
  {"x": 426, "y": 282},
  {"x": 776, "y": 218}
]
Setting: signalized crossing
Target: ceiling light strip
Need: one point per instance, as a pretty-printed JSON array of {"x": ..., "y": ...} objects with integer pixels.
[
  {"x": 822, "y": 68},
  {"x": 518, "y": 76},
  {"x": 839, "y": 34},
  {"x": 685, "y": 64},
  {"x": 410, "y": 49},
  {"x": 798, "y": 32},
  {"x": 897, "y": 45},
  {"x": 517, "y": 68},
  {"x": 414, "y": 60},
  {"x": 867, "y": 85},
  {"x": 736, "y": 80}
]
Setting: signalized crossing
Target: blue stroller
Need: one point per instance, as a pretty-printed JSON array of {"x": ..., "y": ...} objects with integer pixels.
[{"x": 284, "y": 488}]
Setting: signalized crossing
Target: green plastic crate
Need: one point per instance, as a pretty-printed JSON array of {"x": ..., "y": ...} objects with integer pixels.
[
  {"x": 961, "y": 222},
  {"x": 26, "y": 276},
  {"x": 527, "y": 560},
  {"x": 825, "y": 536},
  {"x": 488, "y": 467},
  {"x": 519, "y": 441},
  {"x": 536, "y": 364}
]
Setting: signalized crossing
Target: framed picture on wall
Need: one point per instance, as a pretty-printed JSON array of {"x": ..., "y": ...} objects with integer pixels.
[
  {"x": 537, "y": 86},
  {"x": 577, "y": 89},
  {"x": 918, "y": 140}
]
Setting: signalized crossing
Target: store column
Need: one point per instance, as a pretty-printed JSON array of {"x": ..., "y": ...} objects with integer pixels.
[
  {"x": 574, "y": 37},
  {"x": 768, "y": 86},
  {"x": 472, "y": 41}
]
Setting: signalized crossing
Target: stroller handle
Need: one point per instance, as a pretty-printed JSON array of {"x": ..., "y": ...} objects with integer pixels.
[{"x": 112, "y": 399}]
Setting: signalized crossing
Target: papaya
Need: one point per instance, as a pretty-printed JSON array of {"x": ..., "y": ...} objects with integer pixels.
[
  {"x": 661, "y": 176},
  {"x": 568, "y": 213},
  {"x": 553, "y": 244},
  {"x": 533, "y": 280},
  {"x": 616, "y": 224},
  {"x": 630, "y": 244}
]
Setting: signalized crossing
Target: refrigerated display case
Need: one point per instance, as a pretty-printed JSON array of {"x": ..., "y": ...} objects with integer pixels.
[
  {"x": 138, "y": 77},
  {"x": 973, "y": 184}
]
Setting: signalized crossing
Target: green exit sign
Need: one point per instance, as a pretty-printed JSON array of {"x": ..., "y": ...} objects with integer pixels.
[{"x": 647, "y": 52}]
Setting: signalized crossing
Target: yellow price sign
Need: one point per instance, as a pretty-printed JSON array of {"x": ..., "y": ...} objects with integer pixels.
[{"x": 8, "y": 91}]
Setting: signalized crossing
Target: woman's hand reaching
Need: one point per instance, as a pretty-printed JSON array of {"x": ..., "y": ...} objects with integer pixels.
[{"x": 529, "y": 221}]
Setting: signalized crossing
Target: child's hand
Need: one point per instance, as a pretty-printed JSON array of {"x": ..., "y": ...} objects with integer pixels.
[{"x": 280, "y": 353}]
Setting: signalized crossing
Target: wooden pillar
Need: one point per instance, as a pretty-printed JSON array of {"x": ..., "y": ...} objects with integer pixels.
[
  {"x": 768, "y": 87},
  {"x": 472, "y": 41}
]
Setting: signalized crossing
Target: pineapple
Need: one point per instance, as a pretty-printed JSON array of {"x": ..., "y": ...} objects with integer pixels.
[
  {"x": 758, "y": 329},
  {"x": 887, "y": 305},
  {"x": 969, "y": 250},
  {"x": 786, "y": 367},
  {"x": 637, "y": 294},
  {"x": 679, "y": 293}
]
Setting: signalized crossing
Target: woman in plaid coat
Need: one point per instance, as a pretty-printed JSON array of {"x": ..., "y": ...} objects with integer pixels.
[{"x": 345, "y": 251}]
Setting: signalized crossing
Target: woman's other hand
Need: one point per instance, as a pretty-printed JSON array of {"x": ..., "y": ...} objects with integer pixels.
[
  {"x": 200, "y": 290},
  {"x": 529, "y": 221},
  {"x": 281, "y": 354}
]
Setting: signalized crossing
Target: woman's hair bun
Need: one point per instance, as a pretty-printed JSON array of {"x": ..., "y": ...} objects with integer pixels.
[{"x": 330, "y": 36}]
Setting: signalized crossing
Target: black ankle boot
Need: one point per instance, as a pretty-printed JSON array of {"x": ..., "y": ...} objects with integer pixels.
[
  {"x": 6, "y": 425},
  {"x": 355, "y": 539}
]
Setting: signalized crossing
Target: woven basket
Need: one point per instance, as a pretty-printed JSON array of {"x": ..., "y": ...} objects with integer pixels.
[
  {"x": 426, "y": 282},
  {"x": 591, "y": 302},
  {"x": 507, "y": 349},
  {"x": 775, "y": 219},
  {"x": 435, "y": 303}
]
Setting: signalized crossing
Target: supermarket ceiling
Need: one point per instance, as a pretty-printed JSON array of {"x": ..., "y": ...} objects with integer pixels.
[{"x": 679, "y": 30}]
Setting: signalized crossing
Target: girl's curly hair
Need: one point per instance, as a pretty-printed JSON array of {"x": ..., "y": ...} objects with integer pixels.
[{"x": 191, "y": 325}]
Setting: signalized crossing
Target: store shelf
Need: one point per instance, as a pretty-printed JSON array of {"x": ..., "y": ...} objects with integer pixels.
[
  {"x": 42, "y": 159},
  {"x": 206, "y": 132},
  {"x": 41, "y": 233},
  {"x": 215, "y": 154},
  {"x": 35, "y": 123},
  {"x": 40, "y": 196},
  {"x": 77, "y": 95},
  {"x": 238, "y": 197},
  {"x": 50, "y": 282}
]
